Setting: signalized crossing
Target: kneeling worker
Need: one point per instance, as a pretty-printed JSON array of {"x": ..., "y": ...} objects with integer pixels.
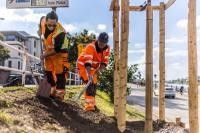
[{"x": 94, "y": 58}]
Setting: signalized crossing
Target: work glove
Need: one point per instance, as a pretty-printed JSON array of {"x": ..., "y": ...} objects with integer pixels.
[{"x": 102, "y": 67}]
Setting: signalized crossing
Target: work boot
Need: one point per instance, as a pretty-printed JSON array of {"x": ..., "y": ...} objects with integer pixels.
[
  {"x": 96, "y": 109},
  {"x": 53, "y": 92},
  {"x": 60, "y": 93}
]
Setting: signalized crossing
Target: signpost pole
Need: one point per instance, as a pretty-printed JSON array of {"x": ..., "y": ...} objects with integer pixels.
[{"x": 54, "y": 9}]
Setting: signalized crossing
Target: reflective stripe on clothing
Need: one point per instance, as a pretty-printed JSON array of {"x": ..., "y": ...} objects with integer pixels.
[
  {"x": 90, "y": 56},
  {"x": 88, "y": 61},
  {"x": 89, "y": 102},
  {"x": 79, "y": 62}
]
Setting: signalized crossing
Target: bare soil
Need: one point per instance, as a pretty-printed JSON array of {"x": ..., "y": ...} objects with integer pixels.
[{"x": 32, "y": 114}]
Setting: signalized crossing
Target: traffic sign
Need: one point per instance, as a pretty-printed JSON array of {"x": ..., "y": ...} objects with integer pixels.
[{"x": 13, "y": 4}]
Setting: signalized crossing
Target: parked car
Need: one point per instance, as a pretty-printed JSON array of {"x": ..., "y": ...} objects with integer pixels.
[{"x": 169, "y": 92}]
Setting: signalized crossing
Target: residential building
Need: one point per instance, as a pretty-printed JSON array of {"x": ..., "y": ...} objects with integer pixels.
[{"x": 23, "y": 41}]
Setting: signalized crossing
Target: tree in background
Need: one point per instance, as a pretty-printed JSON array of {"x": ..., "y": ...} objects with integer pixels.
[
  {"x": 133, "y": 73},
  {"x": 79, "y": 38},
  {"x": 106, "y": 78},
  {"x": 4, "y": 53}
]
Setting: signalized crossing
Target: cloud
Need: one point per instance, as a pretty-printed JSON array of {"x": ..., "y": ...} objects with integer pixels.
[
  {"x": 70, "y": 27},
  {"x": 110, "y": 34},
  {"x": 139, "y": 45},
  {"x": 177, "y": 53},
  {"x": 142, "y": 51},
  {"x": 20, "y": 20},
  {"x": 93, "y": 32},
  {"x": 182, "y": 24},
  {"x": 176, "y": 40},
  {"x": 24, "y": 15},
  {"x": 175, "y": 65},
  {"x": 101, "y": 27}
]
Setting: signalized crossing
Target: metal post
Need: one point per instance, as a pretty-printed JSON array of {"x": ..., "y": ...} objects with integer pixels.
[
  {"x": 54, "y": 9},
  {"x": 24, "y": 65}
]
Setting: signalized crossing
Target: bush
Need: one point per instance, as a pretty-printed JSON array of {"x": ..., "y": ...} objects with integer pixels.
[{"x": 106, "y": 78}]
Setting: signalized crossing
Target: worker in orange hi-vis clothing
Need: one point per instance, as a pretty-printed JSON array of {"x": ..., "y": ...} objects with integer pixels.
[
  {"x": 94, "y": 58},
  {"x": 55, "y": 54}
]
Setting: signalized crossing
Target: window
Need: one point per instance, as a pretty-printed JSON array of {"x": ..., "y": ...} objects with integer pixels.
[
  {"x": 10, "y": 38},
  {"x": 2, "y": 63},
  {"x": 19, "y": 54},
  {"x": 34, "y": 54},
  {"x": 34, "y": 44},
  {"x": 10, "y": 64},
  {"x": 18, "y": 64}
]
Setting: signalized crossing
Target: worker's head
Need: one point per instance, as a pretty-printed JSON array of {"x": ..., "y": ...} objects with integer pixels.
[
  {"x": 51, "y": 20},
  {"x": 103, "y": 40}
]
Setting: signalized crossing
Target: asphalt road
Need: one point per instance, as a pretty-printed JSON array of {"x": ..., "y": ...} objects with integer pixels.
[{"x": 177, "y": 107}]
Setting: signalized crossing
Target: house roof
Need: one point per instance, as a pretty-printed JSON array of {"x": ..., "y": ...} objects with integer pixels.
[{"x": 22, "y": 34}]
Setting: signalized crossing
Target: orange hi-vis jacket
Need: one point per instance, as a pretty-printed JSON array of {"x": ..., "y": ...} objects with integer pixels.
[
  {"x": 93, "y": 56},
  {"x": 49, "y": 41}
]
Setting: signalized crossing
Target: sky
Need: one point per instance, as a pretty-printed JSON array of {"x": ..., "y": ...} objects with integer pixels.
[{"x": 94, "y": 15}]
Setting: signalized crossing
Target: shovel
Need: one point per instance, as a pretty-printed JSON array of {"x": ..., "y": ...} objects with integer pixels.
[
  {"x": 44, "y": 88},
  {"x": 86, "y": 86},
  {"x": 76, "y": 98}
]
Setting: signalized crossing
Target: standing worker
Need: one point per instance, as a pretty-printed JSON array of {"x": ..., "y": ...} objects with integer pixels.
[
  {"x": 55, "y": 53},
  {"x": 94, "y": 58}
]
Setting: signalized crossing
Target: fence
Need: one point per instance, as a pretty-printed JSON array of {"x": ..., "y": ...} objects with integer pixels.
[{"x": 72, "y": 76}]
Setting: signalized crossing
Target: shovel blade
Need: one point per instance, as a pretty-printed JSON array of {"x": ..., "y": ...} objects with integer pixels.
[{"x": 44, "y": 88}]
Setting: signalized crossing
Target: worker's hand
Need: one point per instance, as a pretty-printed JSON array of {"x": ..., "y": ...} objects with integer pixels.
[
  {"x": 88, "y": 69},
  {"x": 102, "y": 67},
  {"x": 90, "y": 77},
  {"x": 42, "y": 56}
]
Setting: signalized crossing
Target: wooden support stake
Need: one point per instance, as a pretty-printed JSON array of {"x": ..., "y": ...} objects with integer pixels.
[
  {"x": 121, "y": 122},
  {"x": 138, "y": 8},
  {"x": 192, "y": 66},
  {"x": 169, "y": 3},
  {"x": 116, "y": 54},
  {"x": 162, "y": 63},
  {"x": 149, "y": 70}
]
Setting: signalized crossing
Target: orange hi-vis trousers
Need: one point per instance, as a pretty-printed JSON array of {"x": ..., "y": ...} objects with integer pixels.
[
  {"x": 89, "y": 102},
  {"x": 89, "y": 98},
  {"x": 57, "y": 65}
]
